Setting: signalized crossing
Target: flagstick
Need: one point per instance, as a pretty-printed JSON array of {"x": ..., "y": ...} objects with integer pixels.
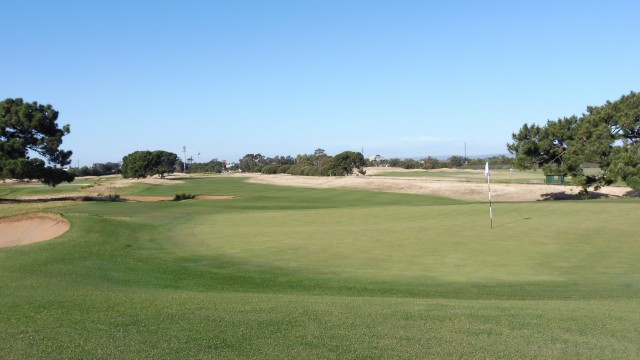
[
  {"x": 487, "y": 173},
  {"x": 490, "y": 210}
]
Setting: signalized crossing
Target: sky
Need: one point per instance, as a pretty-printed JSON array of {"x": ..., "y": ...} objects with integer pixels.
[{"x": 392, "y": 78}]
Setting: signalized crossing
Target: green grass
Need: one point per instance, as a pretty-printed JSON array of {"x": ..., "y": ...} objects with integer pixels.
[{"x": 283, "y": 272}]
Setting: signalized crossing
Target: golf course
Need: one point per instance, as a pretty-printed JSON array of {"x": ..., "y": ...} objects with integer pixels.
[{"x": 260, "y": 270}]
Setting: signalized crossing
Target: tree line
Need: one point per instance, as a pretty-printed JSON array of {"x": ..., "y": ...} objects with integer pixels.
[
  {"x": 213, "y": 166},
  {"x": 32, "y": 128},
  {"x": 317, "y": 164},
  {"x": 606, "y": 136},
  {"x": 321, "y": 164},
  {"x": 114, "y": 168},
  {"x": 97, "y": 169},
  {"x": 452, "y": 162}
]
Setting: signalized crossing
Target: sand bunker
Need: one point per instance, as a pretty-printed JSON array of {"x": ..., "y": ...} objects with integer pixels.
[
  {"x": 214, "y": 197},
  {"x": 147, "y": 198},
  {"x": 438, "y": 186},
  {"x": 30, "y": 228}
]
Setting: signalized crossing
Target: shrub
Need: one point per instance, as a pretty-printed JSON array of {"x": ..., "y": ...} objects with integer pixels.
[
  {"x": 284, "y": 169},
  {"x": 183, "y": 196},
  {"x": 270, "y": 169}
]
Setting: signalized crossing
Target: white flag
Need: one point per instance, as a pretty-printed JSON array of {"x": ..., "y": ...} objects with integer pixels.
[{"x": 487, "y": 173}]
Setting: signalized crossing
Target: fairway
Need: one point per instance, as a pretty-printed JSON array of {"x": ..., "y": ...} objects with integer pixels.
[{"x": 283, "y": 272}]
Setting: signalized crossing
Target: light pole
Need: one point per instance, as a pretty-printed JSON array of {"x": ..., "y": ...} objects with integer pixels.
[
  {"x": 184, "y": 164},
  {"x": 465, "y": 155}
]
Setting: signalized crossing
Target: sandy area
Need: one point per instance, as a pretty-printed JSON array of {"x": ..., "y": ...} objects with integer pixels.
[
  {"x": 214, "y": 197},
  {"x": 123, "y": 183},
  {"x": 105, "y": 187},
  {"x": 452, "y": 188},
  {"x": 26, "y": 229},
  {"x": 146, "y": 198}
]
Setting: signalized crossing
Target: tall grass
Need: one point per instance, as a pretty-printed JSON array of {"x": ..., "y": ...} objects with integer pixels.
[{"x": 497, "y": 175}]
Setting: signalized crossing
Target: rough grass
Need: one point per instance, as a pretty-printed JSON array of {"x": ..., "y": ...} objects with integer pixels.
[
  {"x": 302, "y": 273},
  {"x": 36, "y": 189},
  {"x": 497, "y": 175}
]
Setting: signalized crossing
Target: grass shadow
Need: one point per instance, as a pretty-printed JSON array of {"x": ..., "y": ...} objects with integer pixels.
[
  {"x": 561, "y": 195},
  {"x": 512, "y": 222},
  {"x": 60, "y": 198}
]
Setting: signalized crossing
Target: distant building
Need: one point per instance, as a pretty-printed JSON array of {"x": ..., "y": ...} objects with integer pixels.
[{"x": 375, "y": 158}]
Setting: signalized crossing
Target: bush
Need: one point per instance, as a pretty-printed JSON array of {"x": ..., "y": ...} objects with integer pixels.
[
  {"x": 284, "y": 169},
  {"x": 270, "y": 169},
  {"x": 183, "y": 196},
  {"x": 295, "y": 170}
]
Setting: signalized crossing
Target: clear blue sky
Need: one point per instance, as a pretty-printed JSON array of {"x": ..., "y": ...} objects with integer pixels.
[{"x": 397, "y": 78}]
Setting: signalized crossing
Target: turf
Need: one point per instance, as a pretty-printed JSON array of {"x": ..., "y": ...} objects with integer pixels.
[{"x": 283, "y": 272}]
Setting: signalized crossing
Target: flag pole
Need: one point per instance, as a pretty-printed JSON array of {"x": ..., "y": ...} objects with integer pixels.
[{"x": 487, "y": 173}]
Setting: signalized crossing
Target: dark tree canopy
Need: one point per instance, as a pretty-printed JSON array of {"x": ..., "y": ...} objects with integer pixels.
[
  {"x": 345, "y": 162},
  {"x": 27, "y": 129},
  {"x": 252, "y": 162},
  {"x": 607, "y": 135},
  {"x": 213, "y": 166},
  {"x": 457, "y": 161},
  {"x": 545, "y": 146},
  {"x": 140, "y": 164}
]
